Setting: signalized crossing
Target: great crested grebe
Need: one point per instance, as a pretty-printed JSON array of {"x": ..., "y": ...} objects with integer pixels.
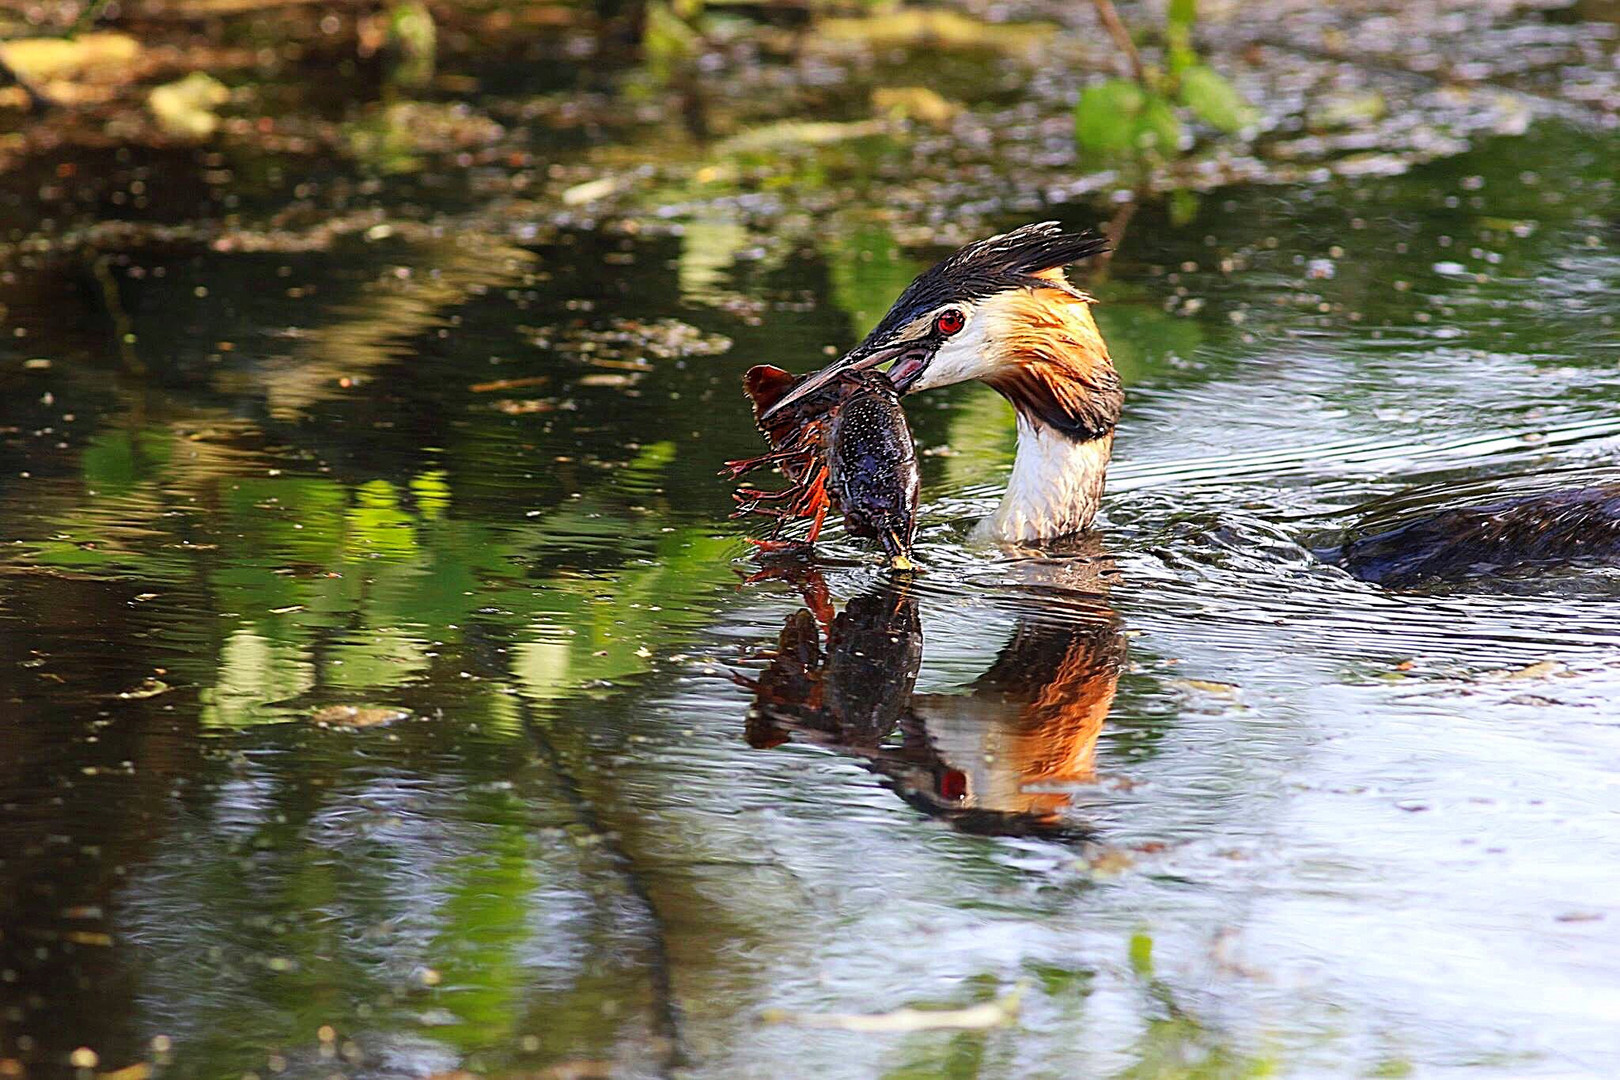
[{"x": 1001, "y": 311}]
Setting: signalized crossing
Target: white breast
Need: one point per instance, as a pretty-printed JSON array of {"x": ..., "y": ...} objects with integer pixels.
[{"x": 1055, "y": 488}]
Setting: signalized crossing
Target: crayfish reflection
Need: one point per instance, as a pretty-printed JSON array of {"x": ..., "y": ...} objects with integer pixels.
[{"x": 1003, "y": 756}]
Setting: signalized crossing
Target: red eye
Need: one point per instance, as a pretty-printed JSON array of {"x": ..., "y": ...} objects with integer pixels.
[{"x": 949, "y": 322}]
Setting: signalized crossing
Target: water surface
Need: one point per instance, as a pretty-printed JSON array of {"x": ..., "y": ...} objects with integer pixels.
[{"x": 1211, "y": 807}]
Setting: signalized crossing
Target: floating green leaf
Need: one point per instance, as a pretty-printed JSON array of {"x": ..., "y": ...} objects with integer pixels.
[
  {"x": 1142, "y": 953},
  {"x": 1213, "y": 99},
  {"x": 1120, "y": 118},
  {"x": 1158, "y": 128},
  {"x": 1105, "y": 120}
]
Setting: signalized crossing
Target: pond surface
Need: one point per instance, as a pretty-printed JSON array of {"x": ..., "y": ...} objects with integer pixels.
[{"x": 383, "y": 695}]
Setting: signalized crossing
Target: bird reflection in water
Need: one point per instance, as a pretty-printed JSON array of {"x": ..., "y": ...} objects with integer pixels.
[{"x": 1003, "y": 756}]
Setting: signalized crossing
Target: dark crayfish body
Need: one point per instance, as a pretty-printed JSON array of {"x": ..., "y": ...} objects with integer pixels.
[
  {"x": 872, "y": 470},
  {"x": 846, "y": 446}
]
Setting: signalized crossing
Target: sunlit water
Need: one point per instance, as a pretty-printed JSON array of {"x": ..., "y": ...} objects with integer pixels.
[{"x": 1209, "y": 806}]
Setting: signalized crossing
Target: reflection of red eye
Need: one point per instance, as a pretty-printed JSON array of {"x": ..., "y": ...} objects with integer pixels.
[{"x": 949, "y": 322}]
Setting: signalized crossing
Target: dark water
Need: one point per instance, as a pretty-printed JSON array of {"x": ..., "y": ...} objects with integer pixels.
[{"x": 1216, "y": 808}]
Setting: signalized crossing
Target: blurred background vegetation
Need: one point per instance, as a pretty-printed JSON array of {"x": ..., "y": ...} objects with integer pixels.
[{"x": 549, "y": 113}]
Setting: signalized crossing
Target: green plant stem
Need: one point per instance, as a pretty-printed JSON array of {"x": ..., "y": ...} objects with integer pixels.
[{"x": 87, "y": 18}]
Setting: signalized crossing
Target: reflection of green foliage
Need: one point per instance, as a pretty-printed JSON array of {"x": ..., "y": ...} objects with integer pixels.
[
  {"x": 651, "y": 459},
  {"x": 484, "y": 922},
  {"x": 1144, "y": 339},
  {"x": 319, "y": 934},
  {"x": 116, "y": 459},
  {"x": 668, "y": 42},
  {"x": 376, "y": 523},
  {"x": 868, "y": 271},
  {"x": 374, "y": 658},
  {"x": 1176, "y": 1045},
  {"x": 1183, "y": 207},
  {"x": 955, "y": 1056},
  {"x": 708, "y": 249},
  {"x": 1062, "y": 982},
  {"x": 299, "y": 516},
  {"x": 415, "y": 41},
  {"x": 586, "y": 631},
  {"x": 431, "y": 493},
  {"x": 1180, "y": 1048},
  {"x": 252, "y": 670},
  {"x": 380, "y": 141},
  {"x": 345, "y": 587},
  {"x": 981, "y": 437}
]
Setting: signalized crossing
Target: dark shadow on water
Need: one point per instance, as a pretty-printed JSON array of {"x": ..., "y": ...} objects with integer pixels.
[{"x": 999, "y": 757}]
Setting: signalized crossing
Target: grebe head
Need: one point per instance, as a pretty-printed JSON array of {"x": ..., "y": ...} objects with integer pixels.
[{"x": 999, "y": 310}]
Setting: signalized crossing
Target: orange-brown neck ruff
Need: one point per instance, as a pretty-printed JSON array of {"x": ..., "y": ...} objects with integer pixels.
[{"x": 1050, "y": 362}]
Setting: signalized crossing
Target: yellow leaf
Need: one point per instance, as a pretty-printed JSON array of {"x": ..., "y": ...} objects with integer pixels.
[
  {"x": 915, "y": 103},
  {"x": 185, "y": 108},
  {"x": 104, "y": 56}
]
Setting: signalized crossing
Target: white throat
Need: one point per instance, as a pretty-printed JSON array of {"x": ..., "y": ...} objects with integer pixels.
[{"x": 1055, "y": 488}]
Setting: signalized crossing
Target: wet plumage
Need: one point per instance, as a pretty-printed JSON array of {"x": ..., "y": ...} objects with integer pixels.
[
  {"x": 1559, "y": 527},
  {"x": 1001, "y": 311}
]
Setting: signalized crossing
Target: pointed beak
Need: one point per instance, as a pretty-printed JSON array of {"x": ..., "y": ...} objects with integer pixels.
[{"x": 860, "y": 358}]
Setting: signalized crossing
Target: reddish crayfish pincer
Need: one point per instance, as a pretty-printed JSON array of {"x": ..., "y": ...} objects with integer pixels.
[{"x": 847, "y": 447}]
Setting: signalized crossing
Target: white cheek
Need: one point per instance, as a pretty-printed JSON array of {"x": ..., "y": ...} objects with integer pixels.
[{"x": 961, "y": 358}]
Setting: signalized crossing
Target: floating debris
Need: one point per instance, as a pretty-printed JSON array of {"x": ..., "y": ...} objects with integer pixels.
[
  {"x": 1544, "y": 669},
  {"x": 138, "y": 1071},
  {"x": 631, "y": 340},
  {"x": 149, "y": 688},
  {"x": 509, "y": 384},
  {"x": 185, "y": 108},
  {"x": 1205, "y": 686},
  {"x": 525, "y": 406},
  {"x": 992, "y": 1014},
  {"x": 357, "y": 716}
]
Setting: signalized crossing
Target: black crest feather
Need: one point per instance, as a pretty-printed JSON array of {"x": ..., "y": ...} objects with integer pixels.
[
  {"x": 1009, "y": 260},
  {"x": 1022, "y": 253}
]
